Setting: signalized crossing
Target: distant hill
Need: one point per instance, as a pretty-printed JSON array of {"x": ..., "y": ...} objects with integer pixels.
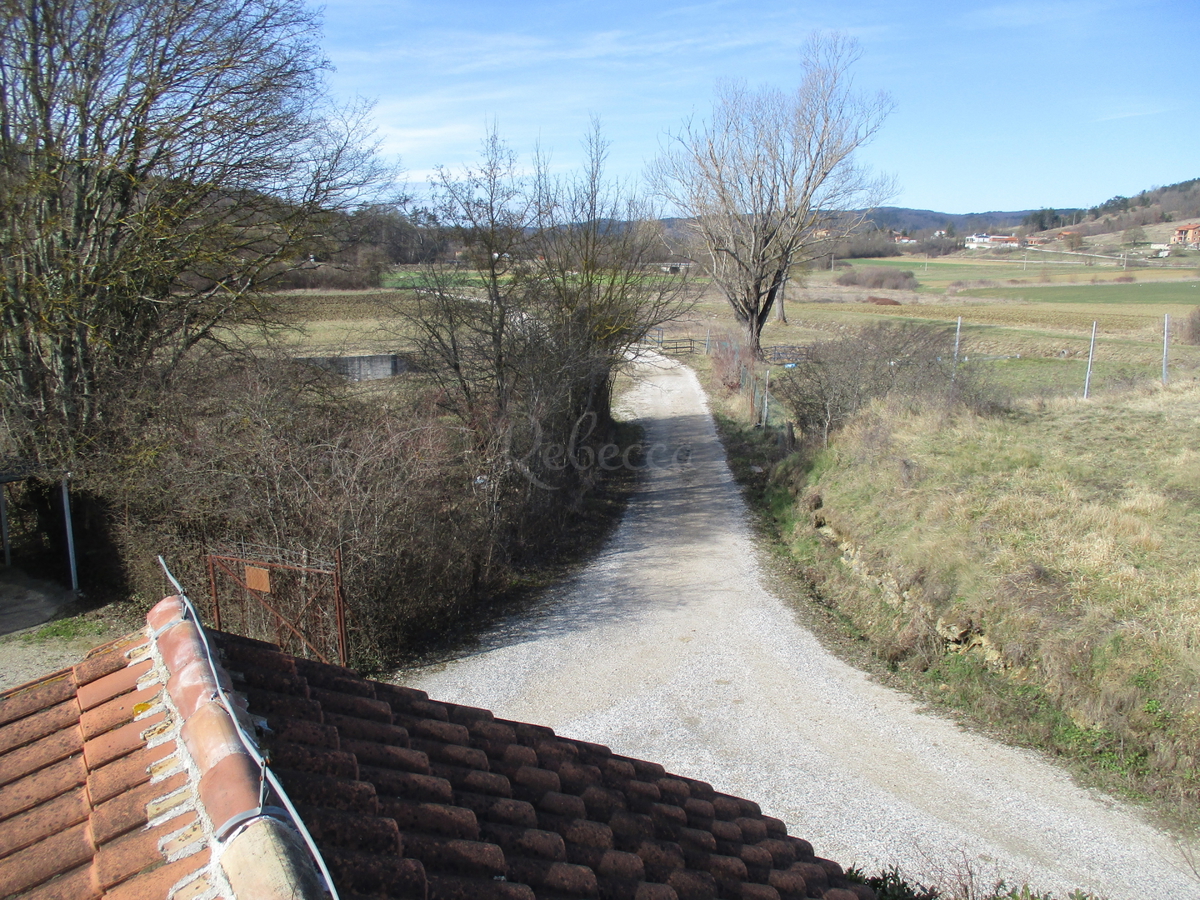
[
  {"x": 899, "y": 218},
  {"x": 1158, "y": 204}
]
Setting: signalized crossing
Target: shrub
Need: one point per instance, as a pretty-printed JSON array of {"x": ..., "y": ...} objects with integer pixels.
[
  {"x": 877, "y": 277},
  {"x": 842, "y": 376},
  {"x": 1191, "y": 328}
]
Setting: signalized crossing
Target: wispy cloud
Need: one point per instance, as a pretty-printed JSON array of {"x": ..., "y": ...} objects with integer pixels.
[
  {"x": 1030, "y": 14},
  {"x": 1133, "y": 111}
]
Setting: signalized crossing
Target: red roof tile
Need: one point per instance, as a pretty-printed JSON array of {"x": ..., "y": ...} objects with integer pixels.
[{"x": 405, "y": 797}]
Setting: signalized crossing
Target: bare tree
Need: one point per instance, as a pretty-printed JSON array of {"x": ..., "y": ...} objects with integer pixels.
[
  {"x": 769, "y": 180},
  {"x": 159, "y": 164},
  {"x": 557, "y": 281}
]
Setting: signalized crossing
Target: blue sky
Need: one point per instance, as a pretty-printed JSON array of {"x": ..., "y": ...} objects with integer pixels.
[{"x": 999, "y": 105}]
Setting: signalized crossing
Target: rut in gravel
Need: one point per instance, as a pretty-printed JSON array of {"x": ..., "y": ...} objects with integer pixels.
[{"x": 668, "y": 647}]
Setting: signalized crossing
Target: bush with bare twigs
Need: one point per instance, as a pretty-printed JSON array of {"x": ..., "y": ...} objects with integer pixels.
[{"x": 877, "y": 277}]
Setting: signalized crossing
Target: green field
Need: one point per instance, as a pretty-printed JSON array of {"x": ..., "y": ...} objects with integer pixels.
[
  {"x": 937, "y": 275},
  {"x": 1183, "y": 293}
]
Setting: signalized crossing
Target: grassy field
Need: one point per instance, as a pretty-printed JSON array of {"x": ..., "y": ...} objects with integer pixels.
[
  {"x": 1039, "y": 569},
  {"x": 1034, "y": 334}
]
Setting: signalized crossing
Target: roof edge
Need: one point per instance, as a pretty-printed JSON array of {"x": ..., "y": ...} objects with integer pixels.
[{"x": 261, "y": 855}]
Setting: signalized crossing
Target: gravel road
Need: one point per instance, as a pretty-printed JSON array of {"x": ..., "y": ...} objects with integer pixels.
[{"x": 668, "y": 647}]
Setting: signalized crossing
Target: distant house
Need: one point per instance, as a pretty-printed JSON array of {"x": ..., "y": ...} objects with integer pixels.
[
  {"x": 991, "y": 241},
  {"x": 1188, "y": 235}
]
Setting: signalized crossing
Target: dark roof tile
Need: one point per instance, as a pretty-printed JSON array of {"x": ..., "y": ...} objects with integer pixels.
[
  {"x": 431, "y": 818},
  {"x": 454, "y": 754},
  {"x": 455, "y": 855},
  {"x": 561, "y": 877},
  {"x": 499, "y": 809},
  {"x": 335, "y": 793},
  {"x": 408, "y": 785},
  {"x": 365, "y": 729},
  {"x": 372, "y": 834},
  {"x": 352, "y": 705},
  {"x": 291, "y": 706},
  {"x": 301, "y": 731},
  {"x": 391, "y": 876},
  {"x": 474, "y": 780},
  {"x": 317, "y": 760},
  {"x": 530, "y": 842},
  {"x": 450, "y": 887},
  {"x": 387, "y": 756}
]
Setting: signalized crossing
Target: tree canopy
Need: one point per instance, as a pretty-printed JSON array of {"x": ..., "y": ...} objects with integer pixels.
[
  {"x": 160, "y": 162},
  {"x": 769, "y": 178}
]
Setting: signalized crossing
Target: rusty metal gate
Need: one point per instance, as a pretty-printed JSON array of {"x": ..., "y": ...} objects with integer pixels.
[{"x": 284, "y": 597}]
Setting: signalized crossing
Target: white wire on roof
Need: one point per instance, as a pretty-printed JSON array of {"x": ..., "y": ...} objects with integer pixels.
[{"x": 249, "y": 744}]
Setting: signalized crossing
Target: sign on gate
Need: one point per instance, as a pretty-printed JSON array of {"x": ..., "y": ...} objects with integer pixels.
[{"x": 283, "y": 597}]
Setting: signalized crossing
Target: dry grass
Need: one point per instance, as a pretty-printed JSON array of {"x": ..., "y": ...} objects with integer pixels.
[{"x": 1043, "y": 568}]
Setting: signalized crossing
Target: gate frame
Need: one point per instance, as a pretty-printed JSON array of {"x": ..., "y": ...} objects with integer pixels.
[{"x": 222, "y": 561}]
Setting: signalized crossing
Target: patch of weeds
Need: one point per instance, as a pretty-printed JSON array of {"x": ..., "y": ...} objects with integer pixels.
[
  {"x": 891, "y": 885},
  {"x": 64, "y": 630}
]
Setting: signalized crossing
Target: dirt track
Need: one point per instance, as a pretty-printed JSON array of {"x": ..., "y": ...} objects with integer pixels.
[{"x": 668, "y": 647}]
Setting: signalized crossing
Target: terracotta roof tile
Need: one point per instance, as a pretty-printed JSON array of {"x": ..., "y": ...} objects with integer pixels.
[
  {"x": 229, "y": 790},
  {"x": 59, "y": 851},
  {"x": 73, "y": 885},
  {"x": 158, "y": 882},
  {"x": 124, "y": 857},
  {"x": 44, "y": 784},
  {"x": 128, "y": 810},
  {"x": 41, "y": 724},
  {"x": 406, "y": 797},
  {"x": 39, "y": 754},
  {"x": 111, "y": 745},
  {"x": 127, "y": 772},
  {"x": 45, "y": 819},
  {"x": 36, "y": 696},
  {"x": 116, "y": 712},
  {"x": 112, "y": 685},
  {"x": 108, "y": 658}
]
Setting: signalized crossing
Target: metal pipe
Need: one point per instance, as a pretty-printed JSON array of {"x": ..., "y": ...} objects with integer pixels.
[{"x": 66, "y": 499}]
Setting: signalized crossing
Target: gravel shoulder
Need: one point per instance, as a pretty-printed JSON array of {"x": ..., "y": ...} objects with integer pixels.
[{"x": 669, "y": 647}]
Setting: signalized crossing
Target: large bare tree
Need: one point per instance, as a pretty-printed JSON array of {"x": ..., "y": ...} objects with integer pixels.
[
  {"x": 769, "y": 179},
  {"x": 160, "y": 161}
]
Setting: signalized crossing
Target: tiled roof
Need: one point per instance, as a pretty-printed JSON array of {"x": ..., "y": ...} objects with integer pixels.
[
  {"x": 113, "y": 787},
  {"x": 95, "y": 798}
]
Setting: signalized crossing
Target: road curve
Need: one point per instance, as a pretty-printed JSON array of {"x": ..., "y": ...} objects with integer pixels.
[{"x": 668, "y": 647}]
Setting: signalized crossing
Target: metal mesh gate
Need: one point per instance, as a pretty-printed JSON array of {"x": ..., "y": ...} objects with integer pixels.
[{"x": 288, "y": 598}]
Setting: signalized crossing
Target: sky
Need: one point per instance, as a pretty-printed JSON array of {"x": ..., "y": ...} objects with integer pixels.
[{"x": 998, "y": 105}]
